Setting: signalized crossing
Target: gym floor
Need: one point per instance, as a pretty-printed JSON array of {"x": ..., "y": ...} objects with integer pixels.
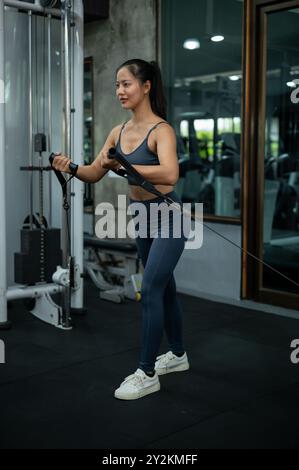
[{"x": 240, "y": 392}]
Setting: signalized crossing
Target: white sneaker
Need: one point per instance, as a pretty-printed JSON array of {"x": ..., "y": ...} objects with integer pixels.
[
  {"x": 169, "y": 362},
  {"x": 137, "y": 385}
]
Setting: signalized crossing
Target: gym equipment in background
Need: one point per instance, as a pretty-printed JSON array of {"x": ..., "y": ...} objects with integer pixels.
[
  {"x": 286, "y": 167},
  {"x": 61, "y": 29},
  {"x": 113, "y": 266},
  {"x": 40, "y": 245}
]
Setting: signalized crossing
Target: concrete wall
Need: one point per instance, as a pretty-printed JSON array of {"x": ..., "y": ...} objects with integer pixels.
[{"x": 130, "y": 32}]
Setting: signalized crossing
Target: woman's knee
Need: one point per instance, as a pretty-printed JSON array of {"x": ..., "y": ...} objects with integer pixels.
[{"x": 151, "y": 290}]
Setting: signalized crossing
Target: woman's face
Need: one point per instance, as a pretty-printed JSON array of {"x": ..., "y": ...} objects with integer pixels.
[{"x": 129, "y": 90}]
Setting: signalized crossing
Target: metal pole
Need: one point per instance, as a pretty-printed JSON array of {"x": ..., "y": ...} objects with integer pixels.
[
  {"x": 32, "y": 292},
  {"x": 50, "y": 114},
  {"x": 65, "y": 9},
  {"x": 77, "y": 153},
  {"x": 30, "y": 156},
  {"x": 32, "y": 7},
  {"x": 3, "y": 279}
]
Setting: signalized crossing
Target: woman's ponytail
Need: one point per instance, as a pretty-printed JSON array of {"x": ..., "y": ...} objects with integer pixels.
[{"x": 157, "y": 97}]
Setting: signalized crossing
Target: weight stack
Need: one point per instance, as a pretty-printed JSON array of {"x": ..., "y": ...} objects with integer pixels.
[{"x": 28, "y": 262}]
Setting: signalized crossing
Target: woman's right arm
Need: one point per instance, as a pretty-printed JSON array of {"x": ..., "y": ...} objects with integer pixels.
[
  {"x": 94, "y": 172},
  {"x": 89, "y": 173}
]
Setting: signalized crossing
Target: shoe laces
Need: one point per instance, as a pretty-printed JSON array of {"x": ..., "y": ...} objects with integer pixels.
[
  {"x": 135, "y": 378},
  {"x": 164, "y": 358}
]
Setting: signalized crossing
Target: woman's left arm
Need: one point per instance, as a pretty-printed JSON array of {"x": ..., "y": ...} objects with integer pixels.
[{"x": 168, "y": 171}]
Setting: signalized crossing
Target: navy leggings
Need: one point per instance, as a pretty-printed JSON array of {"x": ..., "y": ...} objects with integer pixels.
[{"x": 160, "y": 306}]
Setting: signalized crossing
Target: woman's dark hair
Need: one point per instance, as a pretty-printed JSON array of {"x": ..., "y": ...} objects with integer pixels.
[{"x": 144, "y": 71}]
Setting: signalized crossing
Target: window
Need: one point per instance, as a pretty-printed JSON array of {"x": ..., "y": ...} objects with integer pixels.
[
  {"x": 202, "y": 71},
  {"x": 281, "y": 165}
]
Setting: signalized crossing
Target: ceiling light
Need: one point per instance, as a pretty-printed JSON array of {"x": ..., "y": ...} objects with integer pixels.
[
  {"x": 234, "y": 78},
  {"x": 291, "y": 84},
  {"x": 191, "y": 44},
  {"x": 217, "y": 38}
]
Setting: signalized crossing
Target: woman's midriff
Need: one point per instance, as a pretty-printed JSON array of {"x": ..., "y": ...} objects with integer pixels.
[{"x": 139, "y": 194}]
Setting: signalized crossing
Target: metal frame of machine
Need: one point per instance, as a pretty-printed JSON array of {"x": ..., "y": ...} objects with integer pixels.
[{"x": 71, "y": 14}]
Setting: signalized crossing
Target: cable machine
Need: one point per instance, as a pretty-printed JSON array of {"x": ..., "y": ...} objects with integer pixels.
[{"x": 66, "y": 277}]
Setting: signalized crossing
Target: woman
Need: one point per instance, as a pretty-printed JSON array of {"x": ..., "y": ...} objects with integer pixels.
[{"x": 148, "y": 141}]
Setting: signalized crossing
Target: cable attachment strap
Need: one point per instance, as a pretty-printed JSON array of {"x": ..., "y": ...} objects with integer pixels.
[{"x": 62, "y": 180}]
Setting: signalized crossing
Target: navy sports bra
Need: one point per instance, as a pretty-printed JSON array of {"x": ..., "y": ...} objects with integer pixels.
[{"x": 142, "y": 155}]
